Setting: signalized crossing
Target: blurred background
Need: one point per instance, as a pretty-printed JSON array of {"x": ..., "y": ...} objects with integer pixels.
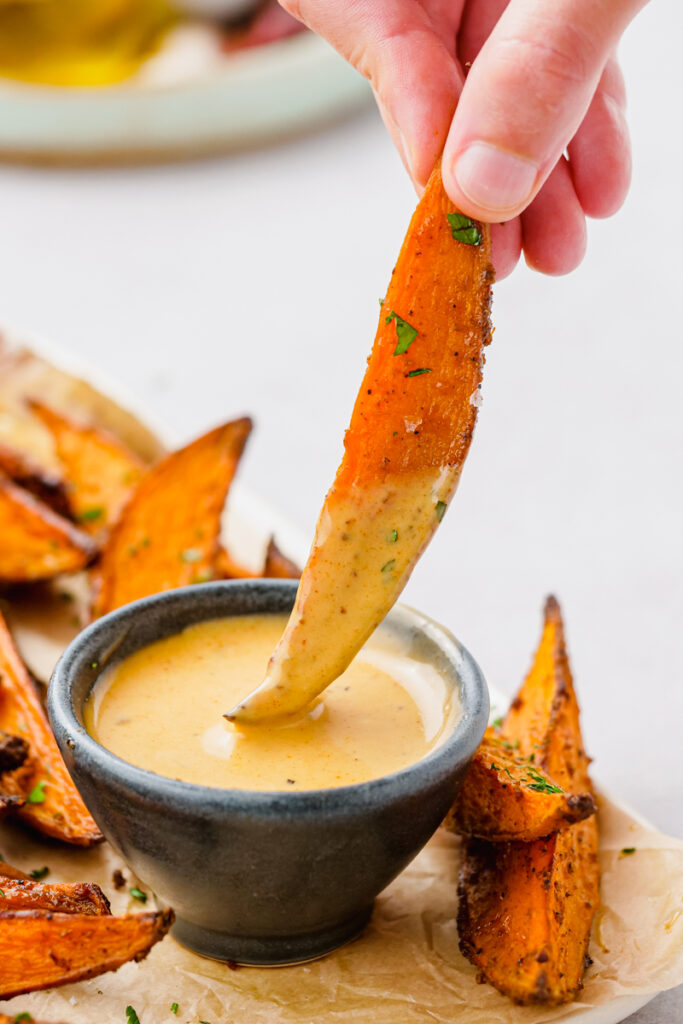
[{"x": 214, "y": 285}]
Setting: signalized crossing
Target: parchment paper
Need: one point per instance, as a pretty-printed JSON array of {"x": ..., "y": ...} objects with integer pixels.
[{"x": 405, "y": 968}]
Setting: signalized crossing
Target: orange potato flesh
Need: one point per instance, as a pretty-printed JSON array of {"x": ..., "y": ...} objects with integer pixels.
[
  {"x": 101, "y": 472},
  {"x": 409, "y": 435},
  {"x": 39, "y": 950},
  {"x": 64, "y": 898},
  {"x": 505, "y": 797},
  {"x": 55, "y": 809},
  {"x": 36, "y": 544},
  {"x": 526, "y": 909},
  {"x": 167, "y": 535}
]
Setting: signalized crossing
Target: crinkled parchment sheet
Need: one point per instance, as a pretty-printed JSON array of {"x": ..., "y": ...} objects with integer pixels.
[{"x": 406, "y": 967}]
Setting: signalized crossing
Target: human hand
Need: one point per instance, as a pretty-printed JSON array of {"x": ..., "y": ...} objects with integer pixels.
[{"x": 538, "y": 140}]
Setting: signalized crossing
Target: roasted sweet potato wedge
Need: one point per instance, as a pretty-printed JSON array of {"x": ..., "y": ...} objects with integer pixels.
[
  {"x": 43, "y": 483},
  {"x": 62, "y": 897},
  {"x": 526, "y": 909},
  {"x": 39, "y": 950},
  {"x": 167, "y": 535},
  {"x": 53, "y": 805},
  {"x": 404, "y": 451},
  {"x": 278, "y": 566},
  {"x": 101, "y": 472},
  {"x": 225, "y": 567},
  {"x": 505, "y": 797},
  {"x": 36, "y": 543}
]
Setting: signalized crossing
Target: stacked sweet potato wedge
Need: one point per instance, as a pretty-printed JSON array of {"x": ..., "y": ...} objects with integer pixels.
[
  {"x": 529, "y": 881},
  {"x": 127, "y": 529},
  {"x": 56, "y": 934}
]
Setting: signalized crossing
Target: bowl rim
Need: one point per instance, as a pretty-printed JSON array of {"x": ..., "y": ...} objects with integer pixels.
[{"x": 76, "y": 744}]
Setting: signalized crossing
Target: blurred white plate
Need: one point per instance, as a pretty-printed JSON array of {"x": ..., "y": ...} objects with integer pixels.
[{"x": 191, "y": 99}]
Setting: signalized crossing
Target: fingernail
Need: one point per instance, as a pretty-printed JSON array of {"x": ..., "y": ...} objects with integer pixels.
[{"x": 493, "y": 178}]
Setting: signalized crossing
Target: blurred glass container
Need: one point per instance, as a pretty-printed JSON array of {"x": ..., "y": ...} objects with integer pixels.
[{"x": 80, "y": 42}]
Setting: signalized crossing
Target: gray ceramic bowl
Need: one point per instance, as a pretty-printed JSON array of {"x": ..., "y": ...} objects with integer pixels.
[{"x": 259, "y": 878}]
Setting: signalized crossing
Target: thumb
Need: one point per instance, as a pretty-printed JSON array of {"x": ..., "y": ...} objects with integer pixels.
[{"x": 524, "y": 98}]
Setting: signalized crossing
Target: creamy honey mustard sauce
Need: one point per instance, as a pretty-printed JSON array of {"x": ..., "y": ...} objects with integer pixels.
[
  {"x": 162, "y": 709},
  {"x": 365, "y": 547}
]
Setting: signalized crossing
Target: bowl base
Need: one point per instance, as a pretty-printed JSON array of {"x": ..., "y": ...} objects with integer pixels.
[{"x": 277, "y": 951}]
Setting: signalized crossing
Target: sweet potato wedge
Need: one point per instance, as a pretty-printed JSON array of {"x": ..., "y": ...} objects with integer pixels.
[
  {"x": 278, "y": 566},
  {"x": 167, "y": 535},
  {"x": 101, "y": 472},
  {"x": 62, "y": 897},
  {"x": 526, "y": 909},
  {"x": 39, "y": 950},
  {"x": 409, "y": 435},
  {"x": 9, "y": 871},
  {"x": 53, "y": 805},
  {"x": 226, "y": 568},
  {"x": 36, "y": 543},
  {"x": 45, "y": 484},
  {"x": 505, "y": 797}
]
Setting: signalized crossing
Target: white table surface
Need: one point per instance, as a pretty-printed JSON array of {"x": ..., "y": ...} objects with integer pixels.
[{"x": 250, "y": 283}]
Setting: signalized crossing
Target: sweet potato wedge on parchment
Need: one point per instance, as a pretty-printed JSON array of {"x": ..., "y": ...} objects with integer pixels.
[
  {"x": 167, "y": 535},
  {"x": 53, "y": 805},
  {"x": 101, "y": 472},
  {"x": 61, "y": 897},
  {"x": 39, "y": 950},
  {"x": 526, "y": 909},
  {"x": 44, "y": 483},
  {"x": 506, "y": 797},
  {"x": 36, "y": 543}
]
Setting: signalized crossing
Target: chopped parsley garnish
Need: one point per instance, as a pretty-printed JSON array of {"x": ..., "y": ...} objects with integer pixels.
[
  {"x": 541, "y": 784},
  {"x": 138, "y": 894},
  {"x": 39, "y": 873},
  {"x": 497, "y": 722},
  {"x": 405, "y": 333},
  {"x": 440, "y": 509},
  {"x": 94, "y": 664},
  {"x": 132, "y": 1015},
  {"x": 23, "y": 1018},
  {"x": 202, "y": 577},
  {"x": 627, "y": 851},
  {"x": 388, "y": 566},
  {"x": 419, "y": 372},
  {"x": 191, "y": 555},
  {"x": 88, "y": 514},
  {"x": 2, "y": 893},
  {"x": 464, "y": 229},
  {"x": 381, "y": 303},
  {"x": 174, "y": 1008},
  {"x": 393, "y": 536},
  {"x": 37, "y": 794}
]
